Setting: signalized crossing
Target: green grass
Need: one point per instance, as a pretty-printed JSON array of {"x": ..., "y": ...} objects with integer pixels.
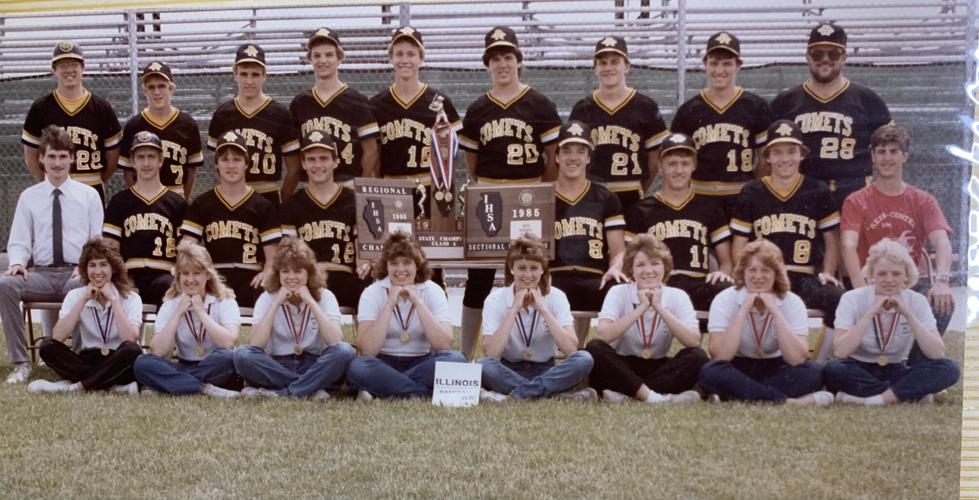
[{"x": 116, "y": 446}]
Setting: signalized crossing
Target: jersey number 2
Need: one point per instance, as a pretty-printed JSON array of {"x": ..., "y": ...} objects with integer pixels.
[{"x": 620, "y": 164}]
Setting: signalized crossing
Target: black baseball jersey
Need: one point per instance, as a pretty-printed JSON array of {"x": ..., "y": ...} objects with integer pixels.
[
  {"x": 836, "y": 130},
  {"x": 622, "y": 135},
  {"x": 146, "y": 228},
  {"x": 233, "y": 234},
  {"x": 509, "y": 137},
  {"x": 793, "y": 220},
  {"x": 91, "y": 123},
  {"x": 725, "y": 137},
  {"x": 580, "y": 229},
  {"x": 329, "y": 226},
  {"x": 181, "y": 140},
  {"x": 270, "y": 133},
  {"x": 346, "y": 116},
  {"x": 689, "y": 229},
  {"x": 405, "y": 129}
]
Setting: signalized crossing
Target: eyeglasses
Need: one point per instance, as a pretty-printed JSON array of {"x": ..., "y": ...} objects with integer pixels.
[{"x": 818, "y": 54}]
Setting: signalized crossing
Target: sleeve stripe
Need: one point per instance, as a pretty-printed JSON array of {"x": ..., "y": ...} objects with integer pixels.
[
  {"x": 192, "y": 228},
  {"x": 629, "y": 235},
  {"x": 29, "y": 138},
  {"x": 616, "y": 221},
  {"x": 368, "y": 130},
  {"x": 124, "y": 161},
  {"x": 291, "y": 146},
  {"x": 211, "y": 143},
  {"x": 467, "y": 143},
  {"x": 761, "y": 137},
  {"x": 720, "y": 234},
  {"x": 740, "y": 226},
  {"x": 550, "y": 135},
  {"x": 830, "y": 220},
  {"x": 657, "y": 139},
  {"x": 457, "y": 126},
  {"x": 114, "y": 140},
  {"x": 289, "y": 230}
]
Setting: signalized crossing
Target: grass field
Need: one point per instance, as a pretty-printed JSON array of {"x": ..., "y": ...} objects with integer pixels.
[{"x": 98, "y": 445}]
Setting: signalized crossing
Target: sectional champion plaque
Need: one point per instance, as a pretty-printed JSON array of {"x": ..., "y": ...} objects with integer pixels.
[
  {"x": 383, "y": 207},
  {"x": 498, "y": 213}
]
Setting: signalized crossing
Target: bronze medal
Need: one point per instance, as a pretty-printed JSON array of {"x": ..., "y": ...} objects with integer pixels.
[
  {"x": 528, "y": 354},
  {"x": 647, "y": 353},
  {"x": 104, "y": 350},
  {"x": 298, "y": 350},
  {"x": 882, "y": 361},
  {"x": 404, "y": 336},
  {"x": 200, "y": 352},
  {"x": 439, "y": 195}
]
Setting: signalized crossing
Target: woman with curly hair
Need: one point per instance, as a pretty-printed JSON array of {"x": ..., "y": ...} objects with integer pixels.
[
  {"x": 403, "y": 326},
  {"x": 759, "y": 336},
  {"x": 876, "y": 326},
  {"x": 199, "y": 316},
  {"x": 107, "y": 314},
  {"x": 296, "y": 346},
  {"x": 525, "y": 323}
]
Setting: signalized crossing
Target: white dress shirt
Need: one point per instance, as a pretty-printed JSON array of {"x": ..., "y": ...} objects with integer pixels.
[{"x": 31, "y": 230}]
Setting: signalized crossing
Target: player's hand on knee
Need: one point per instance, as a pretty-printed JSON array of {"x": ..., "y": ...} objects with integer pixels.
[
  {"x": 825, "y": 278},
  {"x": 16, "y": 270},
  {"x": 940, "y": 297},
  {"x": 718, "y": 277}
]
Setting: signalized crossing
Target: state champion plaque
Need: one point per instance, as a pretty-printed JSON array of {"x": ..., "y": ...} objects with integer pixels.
[
  {"x": 498, "y": 213},
  {"x": 383, "y": 207}
]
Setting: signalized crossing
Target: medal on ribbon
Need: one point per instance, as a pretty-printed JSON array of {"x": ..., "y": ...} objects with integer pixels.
[
  {"x": 883, "y": 335},
  {"x": 647, "y": 336},
  {"x": 297, "y": 333},
  {"x": 759, "y": 334},
  {"x": 445, "y": 145},
  {"x": 404, "y": 321},
  {"x": 197, "y": 333},
  {"x": 104, "y": 330},
  {"x": 527, "y": 334}
]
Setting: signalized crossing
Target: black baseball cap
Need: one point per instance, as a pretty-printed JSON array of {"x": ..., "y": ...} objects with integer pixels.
[
  {"x": 723, "y": 40},
  {"x": 317, "y": 139},
  {"x": 407, "y": 32},
  {"x": 783, "y": 131},
  {"x": 146, "y": 139},
  {"x": 324, "y": 33},
  {"x": 501, "y": 36},
  {"x": 827, "y": 34},
  {"x": 159, "y": 68},
  {"x": 231, "y": 139},
  {"x": 67, "y": 50},
  {"x": 676, "y": 141},
  {"x": 250, "y": 53},
  {"x": 575, "y": 131},
  {"x": 614, "y": 44}
]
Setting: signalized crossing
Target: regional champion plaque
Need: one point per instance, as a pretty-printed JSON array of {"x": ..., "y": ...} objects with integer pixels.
[
  {"x": 496, "y": 214},
  {"x": 383, "y": 207}
]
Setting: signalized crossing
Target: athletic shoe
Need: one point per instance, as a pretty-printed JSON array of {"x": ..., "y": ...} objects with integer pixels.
[
  {"x": 929, "y": 399},
  {"x": 610, "y": 396},
  {"x": 492, "y": 396},
  {"x": 690, "y": 396},
  {"x": 39, "y": 386},
  {"x": 365, "y": 396},
  {"x": 20, "y": 373},
  {"x": 219, "y": 392},
  {"x": 148, "y": 392},
  {"x": 586, "y": 394},
  {"x": 842, "y": 397},
  {"x": 130, "y": 389},
  {"x": 822, "y": 398},
  {"x": 258, "y": 392},
  {"x": 714, "y": 398},
  {"x": 320, "y": 395}
]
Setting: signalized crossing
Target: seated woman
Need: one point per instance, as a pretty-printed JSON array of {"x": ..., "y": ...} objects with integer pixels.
[
  {"x": 296, "y": 345},
  {"x": 199, "y": 316},
  {"x": 403, "y": 326},
  {"x": 524, "y": 325},
  {"x": 107, "y": 314},
  {"x": 636, "y": 328},
  {"x": 875, "y": 328},
  {"x": 759, "y": 336}
]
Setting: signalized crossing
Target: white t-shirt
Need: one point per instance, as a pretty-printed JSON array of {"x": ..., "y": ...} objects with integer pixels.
[
  {"x": 96, "y": 318},
  {"x": 855, "y": 303},
  {"x": 623, "y": 299},
  {"x": 372, "y": 301},
  {"x": 725, "y": 306},
  {"x": 290, "y": 317},
  {"x": 542, "y": 344},
  {"x": 223, "y": 312}
]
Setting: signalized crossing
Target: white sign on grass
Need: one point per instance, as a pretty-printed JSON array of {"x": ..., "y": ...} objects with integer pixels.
[{"x": 457, "y": 384}]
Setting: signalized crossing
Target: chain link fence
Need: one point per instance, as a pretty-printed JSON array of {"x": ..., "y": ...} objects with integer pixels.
[{"x": 914, "y": 54}]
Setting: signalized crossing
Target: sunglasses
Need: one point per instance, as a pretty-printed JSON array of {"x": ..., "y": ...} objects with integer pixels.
[{"x": 818, "y": 54}]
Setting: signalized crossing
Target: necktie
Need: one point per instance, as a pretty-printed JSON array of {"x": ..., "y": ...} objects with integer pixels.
[{"x": 59, "y": 258}]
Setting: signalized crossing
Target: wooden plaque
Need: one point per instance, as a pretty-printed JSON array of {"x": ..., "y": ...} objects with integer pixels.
[
  {"x": 440, "y": 234},
  {"x": 383, "y": 207},
  {"x": 498, "y": 213}
]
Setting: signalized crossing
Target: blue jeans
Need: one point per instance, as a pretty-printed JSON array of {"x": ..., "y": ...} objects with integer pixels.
[
  {"x": 398, "y": 376},
  {"x": 748, "y": 379},
  {"x": 292, "y": 375},
  {"x": 531, "y": 380},
  {"x": 185, "y": 377},
  {"x": 942, "y": 321},
  {"x": 907, "y": 383}
]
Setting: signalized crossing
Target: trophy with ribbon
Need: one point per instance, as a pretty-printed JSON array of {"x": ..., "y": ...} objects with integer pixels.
[
  {"x": 445, "y": 145},
  {"x": 439, "y": 230}
]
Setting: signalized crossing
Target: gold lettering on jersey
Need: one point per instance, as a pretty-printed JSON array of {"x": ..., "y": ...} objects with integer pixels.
[
  {"x": 616, "y": 135},
  {"x": 825, "y": 121},
  {"x": 785, "y": 223},
  {"x": 174, "y": 152},
  {"x": 405, "y": 128},
  {"x": 339, "y": 130},
  {"x": 721, "y": 132},
  {"x": 506, "y": 127},
  {"x": 151, "y": 222},
  {"x": 83, "y": 137},
  {"x": 679, "y": 228},
  {"x": 577, "y": 226},
  {"x": 257, "y": 139},
  {"x": 323, "y": 229},
  {"x": 232, "y": 229}
]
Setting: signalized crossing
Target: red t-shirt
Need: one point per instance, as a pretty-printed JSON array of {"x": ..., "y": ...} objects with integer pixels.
[{"x": 908, "y": 218}]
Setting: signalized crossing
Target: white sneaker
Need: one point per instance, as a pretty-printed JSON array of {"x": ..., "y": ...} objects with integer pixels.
[
  {"x": 690, "y": 396},
  {"x": 20, "y": 373},
  {"x": 610, "y": 396},
  {"x": 219, "y": 392},
  {"x": 714, "y": 399},
  {"x": 320, "y": 395},
  {"x": 844, "y": 398},
  {"x": 250, "y": 392},
  {"x": 364, "y": 396},
  {"x": 823, "y": 398},
  {"x": 927, "y": 400},
  {"x": 39, "y": 386},
  {"x": 148, "y": 392},
  {"x": 492, "y": 396},
  {"x": 586, "y": 394},
  {"x": 131, "y": 389},
  {"x": 258, "y": 392}
]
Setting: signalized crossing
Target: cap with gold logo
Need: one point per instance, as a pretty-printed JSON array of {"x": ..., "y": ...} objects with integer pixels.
[
  {"x": 575, "y": 131},
  {"x": 501, "y": 36},
  {"x": 327, "y": 35},
  {"x": 677, "y": 141},
  {"x": 318, "y": 139},
  {"x": 827, "y": 34},
  {"x": 67, "y": 50},
  {"x": 725, "y": 41},
  {"x": 146, "y": 139},
  {"x": 158, "y": 68},
  {"x": 612, "y": 44},
  {"x": 409, "y": 33},
  {"x": 250, "y": 53},
  {"x": 784, "y": 131},
  {"x": 231, "y": 139}
]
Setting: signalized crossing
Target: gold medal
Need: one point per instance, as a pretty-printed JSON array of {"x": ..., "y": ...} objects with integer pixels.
[
  {"x": 404, "y": 336},
  {"x": 104, "y": 351},
  {"x": 882, "y": 361},
  {"x": 439, "y": 196},
  {"x": 759, "y": 353},
  {"x": 200, "y": 352},
  {"x": 298, "y": 350},
  {"x": 528, "y": 354},
  {"x": 647, "y": 353}
]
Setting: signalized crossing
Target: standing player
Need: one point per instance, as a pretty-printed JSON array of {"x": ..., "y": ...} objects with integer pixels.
[
  {"x": 506, "y": 134},
  {"x": 725, "y": 122},
  {"x": 334, "y": 108},
  {"x": 324, "y": 216},
  {"x": 89, "y": 120},
  {"x": 796, "y": 213},
  {"x": 689, "y": 224},
  {"x": 626, "y": 126},
  {"x": 836, "y": 115},
  {"x": 143, "y": 221},
  {"x": 267, "y": 127},
  {"x": 588, "y": 223},
  {"x": 178, "y": 132},
  {"x": 232, "y": 222}
]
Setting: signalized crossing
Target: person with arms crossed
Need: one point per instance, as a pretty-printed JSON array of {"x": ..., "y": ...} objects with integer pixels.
[
  {"x": 267, "y": 126},
  {"x": 892, "y": 208},
  {"x": 143, "y": 221},
  {"x": 626, "y": 126},
  {"x": 53, "y": 220},
  {"x": 89, "y": 120},
  {"x": 338, "y": 110},
  {"x": 509, "y": 137},
  {"x": 179, "y": 134}
]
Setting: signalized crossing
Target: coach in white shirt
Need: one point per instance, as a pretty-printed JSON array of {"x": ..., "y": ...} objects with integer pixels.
[{"x": 53, "y": 220}]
